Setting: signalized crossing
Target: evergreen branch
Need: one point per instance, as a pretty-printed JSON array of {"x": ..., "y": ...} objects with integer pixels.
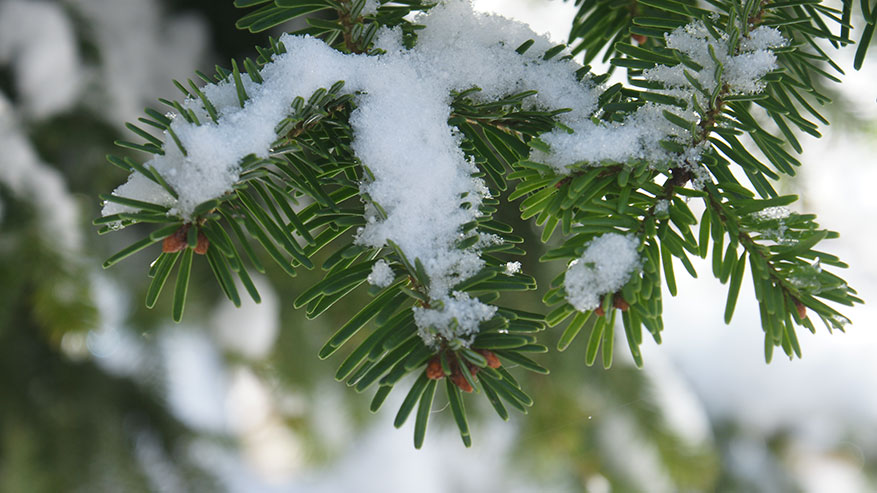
[
  {"x": 434, "y": 256},
  {"x": 349, "y": 18}
]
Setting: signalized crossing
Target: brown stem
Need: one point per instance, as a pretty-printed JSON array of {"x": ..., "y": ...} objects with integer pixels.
[
  {"x": 681, "y": 175},
  {"x": 347, "y": 23}
]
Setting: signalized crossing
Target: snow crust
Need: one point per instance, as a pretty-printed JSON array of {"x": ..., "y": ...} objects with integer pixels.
[{"x": 604, "y": 267}]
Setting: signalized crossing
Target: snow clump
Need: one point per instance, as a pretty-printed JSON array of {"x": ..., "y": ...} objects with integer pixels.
[
  {"x": 455, "y": 319},
  {"x": 606, "y": 265},
  {"x": 381, "y": 274}
]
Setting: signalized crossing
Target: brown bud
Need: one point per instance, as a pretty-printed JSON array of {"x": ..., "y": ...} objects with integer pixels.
[
  {"x": 434, "y": 369},
  {"x": 492, "y": 360},
  {"x": 203, "y": 244},
  {"x": 460, "y": 381},
  {"x": 599, "y": 311},
  {"x": 176, "y": 241},
  {"x": 620, "y": 303},
  {"x": 639, "y": 38},
  {"x": 802, "y": 310}
]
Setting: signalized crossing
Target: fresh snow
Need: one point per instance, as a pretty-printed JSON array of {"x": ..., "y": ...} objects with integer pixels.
[
  {"x": 456, "y": 318},
  {"x": 742, "y": 71},
  {"x": 420, "y": 175},
  {"x": 370, "y": 7},
  {"x": 608, "y": 262},
  {"x": 381, "y": 274},
  {"x": 639, "y": 136},
  {"x": 512, "y": 268}
]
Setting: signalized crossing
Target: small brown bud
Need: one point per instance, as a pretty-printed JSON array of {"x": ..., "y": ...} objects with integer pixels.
[
  {"x": 203, "y": 244},
  {"x": 802, "y": 310},
  {"x": 620, "y": 303},
  {"x": 176, "y": 241},
  {"x": 460, "y": 381},
  {"x": 599, "y": 311},
  {"x": 434, "y": 369},
  {"x": 639, "y": 38},
  {"x": 492, "y": 360}
]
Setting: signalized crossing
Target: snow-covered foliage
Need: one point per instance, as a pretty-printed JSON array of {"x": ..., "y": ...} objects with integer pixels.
[
  {"x": 420, "y": 173},
  {"x": 420, "y": 187},
  {"x": 639, "y": 136},
  {"x": 742, "y": 70}
]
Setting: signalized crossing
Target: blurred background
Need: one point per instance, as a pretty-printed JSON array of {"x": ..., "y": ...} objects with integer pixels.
[{"x": 97, "y": 393}]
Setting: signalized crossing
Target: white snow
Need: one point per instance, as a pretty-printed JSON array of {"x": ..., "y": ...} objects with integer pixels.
[
  {"x": 742, "y": 70},
  {"x": 591, "y": 143},
  {"x": 421, "y": 176},
  {"x": 381, "y": 274},
  {"x": 370, "y": 7},
  {"x": 772, "y": 213},
  {"x": 512, "y": 268},
  {"x": 456, "y": 318},
  {"x": 662, "y": 207},
  {"x": 605, "y": 267},
  {"x": 639, "y": 136}
]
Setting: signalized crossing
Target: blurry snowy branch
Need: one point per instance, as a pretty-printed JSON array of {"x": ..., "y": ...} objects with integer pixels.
[{"x": 385, "y": 135}]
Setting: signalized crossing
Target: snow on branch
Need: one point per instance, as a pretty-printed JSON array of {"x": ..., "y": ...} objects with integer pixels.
[
  {"x": 639, "y": 136},
  {"x": 418, "y": 175},
  {"x": 421, "y": 177}
]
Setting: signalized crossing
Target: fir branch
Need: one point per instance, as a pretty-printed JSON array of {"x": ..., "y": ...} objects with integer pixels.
[{"x": 348, "y": 22}]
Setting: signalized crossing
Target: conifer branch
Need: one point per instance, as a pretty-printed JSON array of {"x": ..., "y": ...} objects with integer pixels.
[{"x": 584, "y": 160}]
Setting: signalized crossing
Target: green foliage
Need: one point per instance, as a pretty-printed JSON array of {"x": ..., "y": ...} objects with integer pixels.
[{"x": 305, "y": 197}]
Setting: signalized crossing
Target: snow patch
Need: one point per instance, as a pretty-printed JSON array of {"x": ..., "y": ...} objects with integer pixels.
[
  {"x": 638, "y": 136},
  {"x": 381, "y": 275},
  {"x": 605, "y": 267},
  {"x": 455, "y": 319}
]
